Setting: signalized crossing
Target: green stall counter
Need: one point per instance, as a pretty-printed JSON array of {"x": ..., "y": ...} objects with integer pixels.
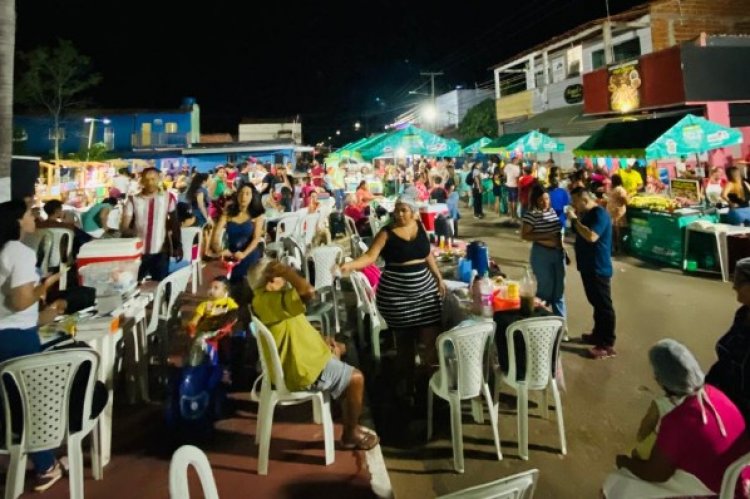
[{"x": 659, "y": 237}]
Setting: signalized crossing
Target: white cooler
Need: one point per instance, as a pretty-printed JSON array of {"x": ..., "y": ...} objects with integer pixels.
[{"x": 110, "y": 265}]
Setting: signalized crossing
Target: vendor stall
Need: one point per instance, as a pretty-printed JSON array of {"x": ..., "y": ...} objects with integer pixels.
[
  {"x": 75, "y": 182},
  {"x": 522, "y": 144},
  {"x": 657, "y": 222},
  {"x": 410, "y": 141},
  {"x": 473, "y": 146}
]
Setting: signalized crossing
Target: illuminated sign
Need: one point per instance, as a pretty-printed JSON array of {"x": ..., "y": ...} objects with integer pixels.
[
  {"x": 573, "y": 94},
  {"x": 624, "y": 87}
]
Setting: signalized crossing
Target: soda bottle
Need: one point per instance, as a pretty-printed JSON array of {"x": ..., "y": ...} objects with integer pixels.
[
  {"x": 485, "y": 290},
  {"x": 528, "y": 291}
]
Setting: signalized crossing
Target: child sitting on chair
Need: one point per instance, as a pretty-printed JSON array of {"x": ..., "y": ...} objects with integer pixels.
[
  {"x": 309, "y": 362},
  {"x": 218, "y": 312}
]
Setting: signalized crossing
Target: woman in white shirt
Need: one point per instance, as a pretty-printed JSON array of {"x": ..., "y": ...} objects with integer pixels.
[{"x": 19, "y": 308}]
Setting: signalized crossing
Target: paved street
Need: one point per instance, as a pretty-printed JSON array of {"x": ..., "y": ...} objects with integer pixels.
[{"x": 605, "y": 400}]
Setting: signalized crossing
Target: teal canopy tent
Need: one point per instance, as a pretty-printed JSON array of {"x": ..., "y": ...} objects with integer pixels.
[
  {"x": 692, "y": 135},
  {"x": 410, "y": 141},
  {"x": 472, "y": 146},
  {"x": 532, "y": 142}
]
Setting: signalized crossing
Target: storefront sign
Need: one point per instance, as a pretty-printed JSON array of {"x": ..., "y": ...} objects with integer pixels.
[
  {"x": 624, "y": 85},
  {"x": 573, "y": 94},
  {"x": 685, "y": 189}
]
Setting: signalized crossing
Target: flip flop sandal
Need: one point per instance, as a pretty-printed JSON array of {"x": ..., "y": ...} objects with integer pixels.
[{"x": 366, "y": 441}]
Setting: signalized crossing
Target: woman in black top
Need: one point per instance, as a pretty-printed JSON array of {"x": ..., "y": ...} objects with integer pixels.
[{"x": 410, "y": 288}]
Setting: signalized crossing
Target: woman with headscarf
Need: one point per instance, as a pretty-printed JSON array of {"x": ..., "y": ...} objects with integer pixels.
[
  {"x": 731, "y": 372},
  {"x": 696, "y": 441},
  {"x": 410, "y": 288}
]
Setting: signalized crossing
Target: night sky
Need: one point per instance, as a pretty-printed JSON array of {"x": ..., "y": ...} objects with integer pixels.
[{"x": 328, "y": 61}]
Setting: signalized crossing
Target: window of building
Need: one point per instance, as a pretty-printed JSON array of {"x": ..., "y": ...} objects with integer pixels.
[
  {"x": 109, "y": 138},
  {"x": 630, "y": 49},
  {"x": 170, "y": 127}
]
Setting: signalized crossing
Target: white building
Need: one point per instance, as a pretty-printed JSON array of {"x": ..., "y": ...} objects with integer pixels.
[
  {"x": 253, "y": 130},
  {"x": 450, "y": 108}
]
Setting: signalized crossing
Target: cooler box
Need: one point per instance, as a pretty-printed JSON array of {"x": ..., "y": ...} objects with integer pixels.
[
  {"x": 429, "y": 213},
  {"x": 110, "y": 265}
]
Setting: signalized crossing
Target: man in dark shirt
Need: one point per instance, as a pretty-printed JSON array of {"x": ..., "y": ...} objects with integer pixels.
[{"x": 593, "y": 228}]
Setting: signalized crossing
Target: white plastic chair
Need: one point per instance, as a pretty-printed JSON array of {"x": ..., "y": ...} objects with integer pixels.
[
  {"x": 519, "y": 486},
  {"x": 367, "y": 307},
  {"x": 541, "y": 337},
  {"x": 375, "y": 224},
  {"x": 324, "y": 259},
  {"x": 354, "y": 238},
  {"x": 308, "y": 227},
  {"x": 184, "y": 457},
  {"x": 62, "y": 246},
  {"x": 731, "y": 475},
  {"x": 188, "y": 235},
  {"x": 470, "y": 348},
  {"x": 165, "y": 297},
  {"x": 274, "y": 392},
  {"x": 45, "y": 382},
  {"x": 287, "y": 226},
  {"x": 294, "y": 255}
]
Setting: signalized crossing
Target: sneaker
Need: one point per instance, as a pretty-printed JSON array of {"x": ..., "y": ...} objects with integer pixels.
[
  {"x": 602, "y": 353},
  {"x": 588, "y": 339},
  {"x": 47, "y": 479}
]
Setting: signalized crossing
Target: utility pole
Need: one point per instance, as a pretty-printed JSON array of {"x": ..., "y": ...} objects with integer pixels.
[{"x": 432, "y": 75}]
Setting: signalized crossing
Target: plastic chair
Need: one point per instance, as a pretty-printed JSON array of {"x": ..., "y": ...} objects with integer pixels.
[
  {"x": 185, "y": 456},
  {"x": 165, "y": 297},
  {"x": 375, "y": 224},
  {"x": 62, "y": 246},
  {"x": 324, "y": 259},
  {"x": 275, "y": 392},
  {"x": 541, "y": 337},
  {"x": 308, "y": 227},
  {"x": 519, "y": 486},
  {"x": 294, "y": 255},
  {"x": 188, "y": 235},
  {"x": 44, "y": 382},
  {"x": 287, "y": 226},
  {"x": 366, "y": 307},
  {"x": 731, "y": 475},
  {"x": 469, "y": 347},
  {"x": 354, "y": 238}
]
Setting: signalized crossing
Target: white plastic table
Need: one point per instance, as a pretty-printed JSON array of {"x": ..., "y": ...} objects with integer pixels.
[{"x": 721, "y": 232}]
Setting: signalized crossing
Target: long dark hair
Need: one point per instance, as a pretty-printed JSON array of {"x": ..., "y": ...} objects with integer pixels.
[
  {"x": 616, "y": 180},
  {"x": 195, "y": 184},
  {"x": 537, "y": 191},
  {"x": 11, "y": 213},
  {"x": 254, "y": 210}
]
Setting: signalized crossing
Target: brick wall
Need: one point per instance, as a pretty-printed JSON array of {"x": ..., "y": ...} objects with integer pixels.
[{"x": 688, "y": 18}]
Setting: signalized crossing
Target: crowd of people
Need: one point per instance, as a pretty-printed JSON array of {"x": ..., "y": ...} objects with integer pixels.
[{"x": 235, "y": 205}]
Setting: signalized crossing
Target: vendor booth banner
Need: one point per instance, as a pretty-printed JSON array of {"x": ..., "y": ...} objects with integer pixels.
[
  {"x": 692, "y": 135},
  {"x": 533, "y": 142},
  {"x": 624, "y": 87}
]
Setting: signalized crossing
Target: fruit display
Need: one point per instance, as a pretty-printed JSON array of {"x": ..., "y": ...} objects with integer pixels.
[{"x": 654, "y": 202}]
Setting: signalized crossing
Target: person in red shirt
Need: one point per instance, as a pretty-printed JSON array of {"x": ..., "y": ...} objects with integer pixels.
[
  {"x": 317, "y": 173},
  {"x": 307, "y": 188},
  {"x": 525, "y": 183}
]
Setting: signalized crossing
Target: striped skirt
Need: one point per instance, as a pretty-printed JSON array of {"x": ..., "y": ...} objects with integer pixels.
[{"x": 407, "y": 297}]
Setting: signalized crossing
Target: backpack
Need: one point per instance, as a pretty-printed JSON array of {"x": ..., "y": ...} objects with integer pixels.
[{"x": 470, "y": 179}]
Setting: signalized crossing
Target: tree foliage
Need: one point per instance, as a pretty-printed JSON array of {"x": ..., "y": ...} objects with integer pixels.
[
  {"x": 55, "y": 79},
  {"x": 480, "y": 121}
]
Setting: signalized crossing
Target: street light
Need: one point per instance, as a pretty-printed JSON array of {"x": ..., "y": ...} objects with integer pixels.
[
  {"x": 357, "y": 126},
  {"x": 91, "y": 122},
  {"x": 429, "y": 113},
  {"x": 338, "y": 132}
]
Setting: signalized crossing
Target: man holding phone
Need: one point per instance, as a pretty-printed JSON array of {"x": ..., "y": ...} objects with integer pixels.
[{"x": 593, "y": 246}]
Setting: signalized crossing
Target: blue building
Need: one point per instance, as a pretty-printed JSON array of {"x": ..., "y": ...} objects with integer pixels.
[
  {"x": 141, "y": 133},
  {"x": 207, "y": 157}
]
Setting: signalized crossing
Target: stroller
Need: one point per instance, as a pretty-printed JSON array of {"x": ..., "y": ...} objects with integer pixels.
[{"x": 197, "y": 395}]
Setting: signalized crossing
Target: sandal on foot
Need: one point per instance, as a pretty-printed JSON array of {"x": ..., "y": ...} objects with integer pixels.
[{"x": 366, "y": 441}]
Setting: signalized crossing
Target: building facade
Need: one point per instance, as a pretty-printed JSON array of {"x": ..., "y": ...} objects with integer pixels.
[
  {"x": 123, "y": 132},
  {"x": 270, "y": 130}
]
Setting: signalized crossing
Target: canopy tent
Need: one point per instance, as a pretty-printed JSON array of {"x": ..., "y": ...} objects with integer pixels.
[
  {"x": 351, "y": 150},
  {"x": 659, "y": 138},
  {"x": 532, "y": 142},
  {"x": 472, "y": 146},
  {"x": 692, "y": 135},
  {"x": 410, "y": 141}
]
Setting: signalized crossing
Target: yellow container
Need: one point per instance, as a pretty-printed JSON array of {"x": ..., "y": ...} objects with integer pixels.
[{"x": 514, "y": 290}]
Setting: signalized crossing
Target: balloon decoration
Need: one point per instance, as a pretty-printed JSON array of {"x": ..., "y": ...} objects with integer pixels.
[
  {"x": 601, "y": 161},
  {"x": 631, "y": 161}
]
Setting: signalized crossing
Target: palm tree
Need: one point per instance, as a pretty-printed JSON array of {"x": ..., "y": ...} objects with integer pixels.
[{"x": 7, "y": 49}]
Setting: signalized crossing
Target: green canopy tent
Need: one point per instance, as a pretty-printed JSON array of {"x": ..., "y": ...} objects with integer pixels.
[
  {"x": 659, "y": 138},
  {"x": 533, "y": 142},
  {"x": 692, "y": 135},
  {"x": 351, "y": 150},
  {"x": 472, "y": 146},
  {"x": 410, "y": 141}
]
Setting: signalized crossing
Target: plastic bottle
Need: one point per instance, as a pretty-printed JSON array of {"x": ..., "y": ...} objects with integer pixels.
[
  {"x": 485, "y": 291},
  {"x": 476, "y": 293},
  {"x": 528, "y": 287}
]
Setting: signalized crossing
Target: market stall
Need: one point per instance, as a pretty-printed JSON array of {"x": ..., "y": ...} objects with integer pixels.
[
  {"x": 473, "y": 146},
  {"x": 78, "y": 183},
  {"x": 525, "y": 144},
  {"x": 657, "y": 221}
]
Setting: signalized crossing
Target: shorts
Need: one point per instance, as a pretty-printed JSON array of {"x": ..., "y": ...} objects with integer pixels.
[
  {"x": 334, "y": 379},
  {"x": 497, "y": 190},
  {"x": 512, "y": 194}
]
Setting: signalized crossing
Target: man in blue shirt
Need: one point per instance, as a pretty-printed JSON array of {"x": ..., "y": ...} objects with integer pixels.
[{"x": 593, "y": 228}]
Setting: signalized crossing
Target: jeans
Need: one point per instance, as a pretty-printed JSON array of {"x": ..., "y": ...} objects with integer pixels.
[
  {"x": 739, "y": 216},
  {"x": 599, "y": 294},
  {"x": 16, "y": 343},
  {"x": 339, "y": 196},
  {"x": 548, "y": 265},
  {"x": 477, "y": 197},
  {"x": 155, "y": 265}
]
